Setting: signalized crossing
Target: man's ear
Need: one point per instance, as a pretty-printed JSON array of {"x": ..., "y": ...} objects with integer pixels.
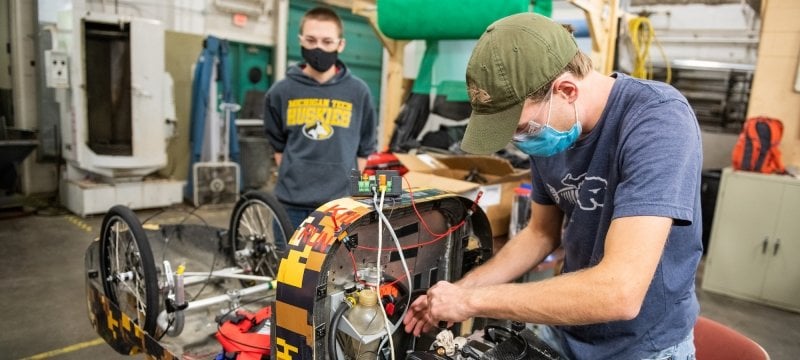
[
  {"x": 567, "y": 88},
  {"x": 340, "y": 48}
]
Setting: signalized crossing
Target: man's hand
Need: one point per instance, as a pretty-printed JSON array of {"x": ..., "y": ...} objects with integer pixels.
[
  {"x": 443, "y": 302},
  {"x": 417, "y": 318},
  {"x": 448, "y": 302}
]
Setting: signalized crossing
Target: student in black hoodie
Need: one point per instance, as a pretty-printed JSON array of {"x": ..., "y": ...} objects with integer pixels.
[{"x": 319, "y": 119}]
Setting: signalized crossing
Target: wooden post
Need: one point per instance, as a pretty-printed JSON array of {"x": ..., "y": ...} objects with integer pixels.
[
  {"x": 394, "y": 91},
  {"x": 393, "y": 95},
  {"x": 602, "y": 20}
]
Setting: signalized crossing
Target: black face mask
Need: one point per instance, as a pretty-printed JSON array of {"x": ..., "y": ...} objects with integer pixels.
[{"x": 319, "y": 59}]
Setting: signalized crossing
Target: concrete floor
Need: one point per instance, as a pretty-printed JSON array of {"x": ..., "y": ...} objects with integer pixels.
[{"x": 45, "y": 314}]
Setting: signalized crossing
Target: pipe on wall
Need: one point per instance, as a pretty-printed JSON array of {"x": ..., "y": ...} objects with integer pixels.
[
  {"x": 35, "y": 177},
  {"x": 281, "y": 25}
]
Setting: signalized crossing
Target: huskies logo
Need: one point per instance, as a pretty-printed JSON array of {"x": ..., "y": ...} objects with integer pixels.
[
  {"x": 317, "y": 131},
  {"x": 318, "y": 117},
  {"x": 573, "y": 187}
]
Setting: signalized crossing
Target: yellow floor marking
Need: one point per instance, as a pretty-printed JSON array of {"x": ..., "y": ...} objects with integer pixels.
[
  {"x": 65, "y": 350},
  {"x": 153, "y": 227},
  {"x": 78, "y": 222}
]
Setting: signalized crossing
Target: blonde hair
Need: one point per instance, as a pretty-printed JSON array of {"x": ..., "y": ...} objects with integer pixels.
[{"x": 580, "y": 66}]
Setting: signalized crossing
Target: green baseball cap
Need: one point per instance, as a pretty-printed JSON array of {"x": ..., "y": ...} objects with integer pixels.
[{"x": 515, "y": 57}]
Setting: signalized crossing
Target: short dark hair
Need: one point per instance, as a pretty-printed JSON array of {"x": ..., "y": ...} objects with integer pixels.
[{"x": 322, "y": 13}]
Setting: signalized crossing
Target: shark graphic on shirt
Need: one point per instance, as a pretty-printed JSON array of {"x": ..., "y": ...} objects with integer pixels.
[{"x": 572, "y": 187}]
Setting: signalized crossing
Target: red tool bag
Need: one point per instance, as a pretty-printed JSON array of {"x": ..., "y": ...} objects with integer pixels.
[
  {"x": 384, "y": 161},
  {"x": 247, "y": 334},
  {"x": 757, "y": 148}
]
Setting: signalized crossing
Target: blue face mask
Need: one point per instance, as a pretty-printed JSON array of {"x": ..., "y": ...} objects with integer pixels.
[{"x": 548, "y": 141}]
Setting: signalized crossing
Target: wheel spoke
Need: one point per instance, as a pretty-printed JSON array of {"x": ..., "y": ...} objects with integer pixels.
[
  {"x": 242, "y": 231},
  {"x": 255, "y": 215},
  {"x": 273, "y": 265},
  {"x": 116, "y": 269},
  {"x": 261, "y": 215},
  {"x": 248, "y": 220}
]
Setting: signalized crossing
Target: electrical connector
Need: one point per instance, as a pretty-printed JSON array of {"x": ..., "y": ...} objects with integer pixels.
[
  {"x": 350, "y": 242},
  {"x": 382, "y": 182},
  {"x": 388, "y": 181}
]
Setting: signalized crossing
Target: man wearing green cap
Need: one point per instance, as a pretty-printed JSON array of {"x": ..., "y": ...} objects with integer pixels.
[{"x": 615, "y": 164}]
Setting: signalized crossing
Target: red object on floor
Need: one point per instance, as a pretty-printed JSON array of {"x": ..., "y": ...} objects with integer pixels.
[{"x": 247, "y": 334}]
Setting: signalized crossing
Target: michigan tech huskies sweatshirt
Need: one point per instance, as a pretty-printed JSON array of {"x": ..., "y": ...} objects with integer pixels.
[{"x": 321, "y": 129}]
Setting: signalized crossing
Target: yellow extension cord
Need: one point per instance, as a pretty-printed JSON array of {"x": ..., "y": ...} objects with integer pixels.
[{"x": 642, "y": 36}]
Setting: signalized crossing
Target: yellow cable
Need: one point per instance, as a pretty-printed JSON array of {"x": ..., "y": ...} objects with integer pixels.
[
  {"x": 642, "y": 36},
  {"x": 666, "y": 61}
]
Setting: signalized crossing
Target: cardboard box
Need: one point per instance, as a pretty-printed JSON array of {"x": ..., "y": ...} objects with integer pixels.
[{"x": 497, "y": 180}]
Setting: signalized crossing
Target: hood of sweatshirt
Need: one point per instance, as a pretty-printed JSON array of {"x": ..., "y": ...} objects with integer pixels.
[{"x": 296, "y": 73}]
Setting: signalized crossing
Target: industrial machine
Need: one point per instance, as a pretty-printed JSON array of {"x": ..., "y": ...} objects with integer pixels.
[
  {"x": 338, "y": 289},
  {"x": 116, "y": 109}
]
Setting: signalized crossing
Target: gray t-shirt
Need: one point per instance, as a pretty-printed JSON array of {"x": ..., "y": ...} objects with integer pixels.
[{"x": 643, "y": 158}]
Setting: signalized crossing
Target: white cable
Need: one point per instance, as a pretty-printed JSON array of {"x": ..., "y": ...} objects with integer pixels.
[
  {"x": 390, "y": 328},
  {"x": 402, "y": 261},
  {"x": 386, "y": 322},
  {"x": 379, "y": 209}
]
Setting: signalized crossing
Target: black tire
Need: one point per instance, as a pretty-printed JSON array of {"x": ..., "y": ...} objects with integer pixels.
[
  {"x": 121, "y": 230},
  {"x": 259, "y": 232}
]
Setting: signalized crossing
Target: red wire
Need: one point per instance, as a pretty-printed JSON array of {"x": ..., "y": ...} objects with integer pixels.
[
  {"x": 414, "y": 205},
  {"x": 355, "y": 268},
  {"x": 436, "y": 238},
  {"x": 396, "y": 280},
  {"x": 335, "y": 225}
]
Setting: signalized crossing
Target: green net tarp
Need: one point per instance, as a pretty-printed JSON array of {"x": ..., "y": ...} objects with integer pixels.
[
  {"x": 443, "y": 19},
  {"x": 422, "y": 85}
]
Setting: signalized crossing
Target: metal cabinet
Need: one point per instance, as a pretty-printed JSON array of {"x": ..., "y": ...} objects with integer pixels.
[{"x": 755, "y": 239}]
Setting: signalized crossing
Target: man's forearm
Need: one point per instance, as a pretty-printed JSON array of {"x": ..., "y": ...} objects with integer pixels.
[
  {"x": 583, "y": 297},
  {"x": 612, "y": 290},
  {"x": 528, "y": 248},
  {"x": 277, "y": 156},
  {"x": 518, "y": 256}
]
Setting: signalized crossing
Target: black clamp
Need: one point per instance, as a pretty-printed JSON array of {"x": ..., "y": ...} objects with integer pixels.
[
  {"x": 171, "y": 307},
  {"x": 350, "y": 242}
]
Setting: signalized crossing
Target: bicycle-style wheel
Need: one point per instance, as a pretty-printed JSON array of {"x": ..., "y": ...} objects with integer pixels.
[
  {"x": 127, "y": 267},
  {"x": 259, "y": 232}
]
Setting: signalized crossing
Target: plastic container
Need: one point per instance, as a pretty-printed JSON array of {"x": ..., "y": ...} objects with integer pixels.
[{"x": 367, "y": 319}]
